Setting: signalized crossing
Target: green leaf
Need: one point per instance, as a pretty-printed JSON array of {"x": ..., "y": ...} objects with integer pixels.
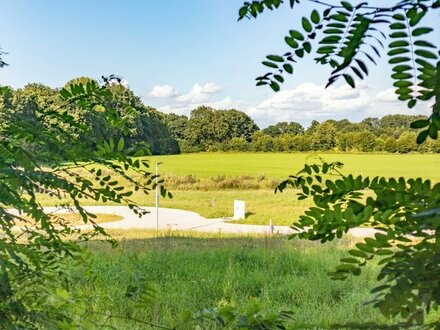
[
  {"x": 242, "y": 12},
  {"x": 347, "y": 5},
  {"x": 275, "y": 86},
  {"x": 412, "y": 103},
  {"x": 400, "y": 76},
  {"x": 398, "y": 51},
  {"x": 349, "y": 80},
  {"x": 421, "y": 123},
  {"x": 426, "y": 54},
  {"x": 402, "y": 68},
  {"x": 279, "y": 78},
  {"x": 396, "y": 60},
  {"x": 315, "y": 16},
  {"x": 398, "y": 17},
  {"x": 339, "y": 17},
  {"x": 397, "y": 26},
  {"x": 402, "y": 84},
  {"x": 270, "y": 64},
  {"x": 416, "y": 18},
  {"x": 306, "y": 25},
  {"x": 420, "y": 31},
  {"x": 296, "y": 35},
  {"x": 433, "y": 131},
  {"x": 398, "y": 43},
  {"x": 291, "y": 42},
  {"x": 423, "y": 135},
  {"x": 362, "y": 66},
  {"x": 120, "y": 144},
  {"x": 307, "y": 47},
  {"x": 288, "y": 68},
  {"x": 399, "y": 34},
  {"x": 299, "y": 52},
  {"x": 423, "y": 43},
  {"x": 275, "y": 58}
]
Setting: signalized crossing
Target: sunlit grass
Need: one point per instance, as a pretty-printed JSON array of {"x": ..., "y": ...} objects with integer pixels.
[
  {"x": 208, "y": 183},
  {"x": 196, "y": 271}
]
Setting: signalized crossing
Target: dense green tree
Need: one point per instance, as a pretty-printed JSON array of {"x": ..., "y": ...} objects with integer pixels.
[
  {"x": 262, "y": 142},
  {"x": 284, "y": 128},
  {"x": 239, "y": 124},
  {"x": 365, "y": 141},
  {"x": 176, "y": 125},
  {"x": 238, "y": 144},
  {"x": 144, "y": 125},
  {"x": 407, "y": 143},
  {"x": 208, "y": 127},
  {"x": 345, "y": 141},
  {"x": 313, "y": 126},
  {"x": 324, "y": 137}
]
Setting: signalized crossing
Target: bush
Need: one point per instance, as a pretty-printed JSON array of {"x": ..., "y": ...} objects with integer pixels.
[
  {"x": 238, "y": 144},
  {"x": 407, "y": 142}
]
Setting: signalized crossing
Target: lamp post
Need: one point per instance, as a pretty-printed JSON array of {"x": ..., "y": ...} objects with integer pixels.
[{"x": 157, "y": 195}]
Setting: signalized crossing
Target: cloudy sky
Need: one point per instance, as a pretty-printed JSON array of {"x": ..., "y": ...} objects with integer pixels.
[{"x": 178, "y": 54}]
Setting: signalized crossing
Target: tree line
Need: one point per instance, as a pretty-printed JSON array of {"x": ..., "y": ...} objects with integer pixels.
[
  {"x": 206, "y": 129},
  {"x": 144, "y": 130}
]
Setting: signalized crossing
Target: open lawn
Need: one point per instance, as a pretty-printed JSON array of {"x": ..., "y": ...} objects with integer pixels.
[
  {"x": 208, "y": 183},
  {"x": 205, "y": 271},
  {"x": 280, "y": 165}
]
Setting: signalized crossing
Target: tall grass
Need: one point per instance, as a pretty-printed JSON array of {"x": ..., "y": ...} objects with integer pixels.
[{"x": 191, "y": 273}]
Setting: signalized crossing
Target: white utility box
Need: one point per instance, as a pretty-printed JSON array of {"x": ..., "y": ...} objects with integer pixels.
[{"x": 239, "y": 210}]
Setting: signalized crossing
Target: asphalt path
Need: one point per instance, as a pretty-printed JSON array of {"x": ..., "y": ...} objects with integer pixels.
[{"x": 174, "y": 219}]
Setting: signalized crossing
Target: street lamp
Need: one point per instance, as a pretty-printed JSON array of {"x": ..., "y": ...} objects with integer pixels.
[{"x": 157, "y": 195}]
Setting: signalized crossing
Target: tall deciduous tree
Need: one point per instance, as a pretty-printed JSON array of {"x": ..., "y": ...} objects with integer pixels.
[{"x": 284, "y": 127}]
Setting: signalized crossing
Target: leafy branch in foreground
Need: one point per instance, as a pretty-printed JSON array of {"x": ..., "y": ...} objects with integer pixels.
[
  {"x": 35, "y": 247},
  {"x": 350, "y": 37},
  {"x": 405, "y": 215}
]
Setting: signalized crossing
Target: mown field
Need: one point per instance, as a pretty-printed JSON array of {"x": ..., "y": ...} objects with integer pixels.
[
  {"x": 280, "y": 165},
  {"x": 206, "y": 271},
  {"x": 208, "y": 183}
]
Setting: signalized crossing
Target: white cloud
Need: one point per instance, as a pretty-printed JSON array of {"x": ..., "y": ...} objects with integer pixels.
[
  {"x": 309, "y": 101},
  {"x": 304, "y": 103},
  {"x": 163, "y": 91},
  {"x": 200, "y": 93}
]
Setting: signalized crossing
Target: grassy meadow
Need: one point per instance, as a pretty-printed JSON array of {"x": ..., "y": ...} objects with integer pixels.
[
  {"x": 208, "y": 183},
  {"x": 280, "y": 165},
  {"x": 204, "y": 271}
]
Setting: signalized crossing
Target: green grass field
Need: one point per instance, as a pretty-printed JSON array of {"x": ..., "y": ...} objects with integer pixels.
[
  {"x": 203, "y": 271},
  {"x": 208, "y": 183},
  {"x": 280, "y": 165}
]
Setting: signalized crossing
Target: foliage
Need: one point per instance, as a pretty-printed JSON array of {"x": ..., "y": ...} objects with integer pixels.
[
  {"x": 405, "y": 215},
  {"x": 213, "y": 274},
  {"x": 35, "y": 290},
  {"x": 404, "y": 211},
  {"x": 208, "y": 128},
  {"x": 284, "y": 127},
  {"x": 350, "y": 37},
  {"x": 145, "y": 128},
  {"x": 2, "y": 63}
]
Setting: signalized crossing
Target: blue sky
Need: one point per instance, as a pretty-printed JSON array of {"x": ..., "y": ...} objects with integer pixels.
[{"x": 179, "y": 54}]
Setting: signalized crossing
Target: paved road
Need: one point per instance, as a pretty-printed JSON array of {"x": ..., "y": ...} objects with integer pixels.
[{"x": 185, "y": 220}]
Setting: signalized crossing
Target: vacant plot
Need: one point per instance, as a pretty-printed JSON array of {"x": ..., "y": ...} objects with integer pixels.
[
  {"x": 208, "y": 183},
  {"x": 204, "y": 271},
  {"x": 280, "y": 165}
]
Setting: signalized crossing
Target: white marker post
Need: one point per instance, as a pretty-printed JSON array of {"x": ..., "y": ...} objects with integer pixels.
[{"x": 239, "y": 210}]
